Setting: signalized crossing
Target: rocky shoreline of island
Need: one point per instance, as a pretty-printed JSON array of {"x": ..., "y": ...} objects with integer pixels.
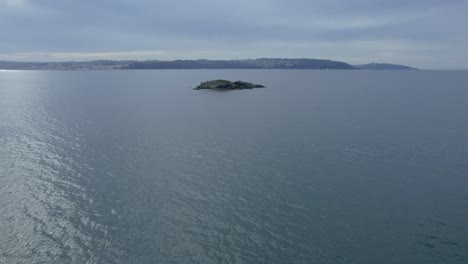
[{"x": 227, "y": 85}]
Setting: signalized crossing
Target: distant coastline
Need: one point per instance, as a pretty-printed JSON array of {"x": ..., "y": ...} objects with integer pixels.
[{"x": 264, "y": 63}]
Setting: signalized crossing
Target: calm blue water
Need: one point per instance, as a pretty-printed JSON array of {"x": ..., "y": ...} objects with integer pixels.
[{"x": 320, "y": 167}]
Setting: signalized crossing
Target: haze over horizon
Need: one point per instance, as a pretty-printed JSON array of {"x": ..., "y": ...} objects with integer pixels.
[{"x": 425, "y": 34}]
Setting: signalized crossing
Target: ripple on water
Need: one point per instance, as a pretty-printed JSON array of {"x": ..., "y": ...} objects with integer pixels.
[{"x": 46, "y": 214}]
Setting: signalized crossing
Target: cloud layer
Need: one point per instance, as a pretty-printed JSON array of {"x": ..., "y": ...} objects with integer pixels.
[{"x": 421, "y": 33}]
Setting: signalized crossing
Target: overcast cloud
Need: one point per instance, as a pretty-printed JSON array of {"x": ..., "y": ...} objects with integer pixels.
[{"x": 420, "y": 33}]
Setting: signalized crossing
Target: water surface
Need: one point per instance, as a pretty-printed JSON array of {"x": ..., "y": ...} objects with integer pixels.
[{"x": 320, "y": 167}]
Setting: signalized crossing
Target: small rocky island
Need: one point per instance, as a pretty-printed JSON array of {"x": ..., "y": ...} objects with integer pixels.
[{"x": 227, "y": 85}]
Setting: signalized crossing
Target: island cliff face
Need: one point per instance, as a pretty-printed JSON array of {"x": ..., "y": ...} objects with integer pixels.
[{"x": 227, "y": 85}]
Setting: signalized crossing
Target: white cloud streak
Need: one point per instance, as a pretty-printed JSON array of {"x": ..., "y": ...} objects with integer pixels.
[{"x": 17, "y": 3}]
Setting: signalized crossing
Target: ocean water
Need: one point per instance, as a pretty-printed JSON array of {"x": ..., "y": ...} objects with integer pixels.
[{"x": 320, "y": 167}]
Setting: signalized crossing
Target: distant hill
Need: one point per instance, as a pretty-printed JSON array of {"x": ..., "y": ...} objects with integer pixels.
[
  {"x": 242, "y": 64},
  {"x": 264, "y": 63},
  {"x": 65, "y": 66},
  {"x": 383, "y": 66}
]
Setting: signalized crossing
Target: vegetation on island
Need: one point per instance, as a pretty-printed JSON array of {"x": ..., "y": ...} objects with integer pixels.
[{"x": 227, "y": 85}]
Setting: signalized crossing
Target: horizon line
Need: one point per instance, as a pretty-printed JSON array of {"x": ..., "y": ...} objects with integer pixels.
[{"x": 204, "y": 59}]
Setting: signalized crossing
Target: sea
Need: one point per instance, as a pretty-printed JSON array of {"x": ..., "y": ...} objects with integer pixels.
[{"x": 322, "y": 166}]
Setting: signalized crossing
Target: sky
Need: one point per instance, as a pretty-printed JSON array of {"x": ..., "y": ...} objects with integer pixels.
[{"x": 426, "y": 34}]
